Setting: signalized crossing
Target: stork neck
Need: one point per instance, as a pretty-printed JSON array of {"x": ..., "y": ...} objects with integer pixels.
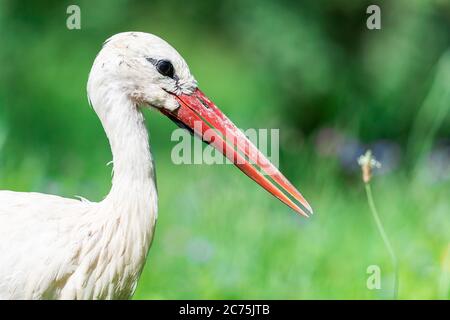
[
  {"x": 132, "y": 160},
  {"x": 130, "y": 209}
]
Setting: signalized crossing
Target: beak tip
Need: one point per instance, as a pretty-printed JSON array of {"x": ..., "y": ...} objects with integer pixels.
[
  {"x": 303, "y": 213},
  {"x": 306, "y": 211},
  {"x": 305, "y": 208}
]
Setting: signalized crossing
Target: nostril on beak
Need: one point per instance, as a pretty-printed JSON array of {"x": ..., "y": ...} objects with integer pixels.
[{"x": 203, "y": 102}]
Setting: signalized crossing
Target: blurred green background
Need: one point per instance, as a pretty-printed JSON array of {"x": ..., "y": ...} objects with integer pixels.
[{"x": 311, "y": 69}]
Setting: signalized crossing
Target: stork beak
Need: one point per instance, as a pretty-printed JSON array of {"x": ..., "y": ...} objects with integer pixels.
[{"x": 216, "y": 129}]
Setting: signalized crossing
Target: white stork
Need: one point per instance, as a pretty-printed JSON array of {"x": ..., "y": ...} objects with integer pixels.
[{"x": 58, "y": 248}]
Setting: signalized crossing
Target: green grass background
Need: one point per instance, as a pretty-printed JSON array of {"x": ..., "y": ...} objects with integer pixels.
[{"x": 300, "y": 66}]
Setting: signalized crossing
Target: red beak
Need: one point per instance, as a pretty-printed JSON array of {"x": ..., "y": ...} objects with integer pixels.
[{"x": 197, "y": 109}]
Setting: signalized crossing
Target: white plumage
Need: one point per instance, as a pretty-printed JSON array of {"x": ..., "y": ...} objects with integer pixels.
[{"x": 57, "y": 248}]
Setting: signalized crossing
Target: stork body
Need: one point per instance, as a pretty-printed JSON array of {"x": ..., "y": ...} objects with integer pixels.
[{"x": 57, "y": 248}]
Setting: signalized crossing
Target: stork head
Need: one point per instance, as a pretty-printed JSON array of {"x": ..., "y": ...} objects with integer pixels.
[
  {"x": 152, "y": 73},
  {"x": 144, "y": 67}
]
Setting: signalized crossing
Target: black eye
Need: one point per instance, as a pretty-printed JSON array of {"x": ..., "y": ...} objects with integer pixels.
[{"x": 165, "y": 67}]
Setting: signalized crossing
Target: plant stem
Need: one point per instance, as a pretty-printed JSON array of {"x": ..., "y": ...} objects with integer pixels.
[{"x": 384, "y": 236}]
